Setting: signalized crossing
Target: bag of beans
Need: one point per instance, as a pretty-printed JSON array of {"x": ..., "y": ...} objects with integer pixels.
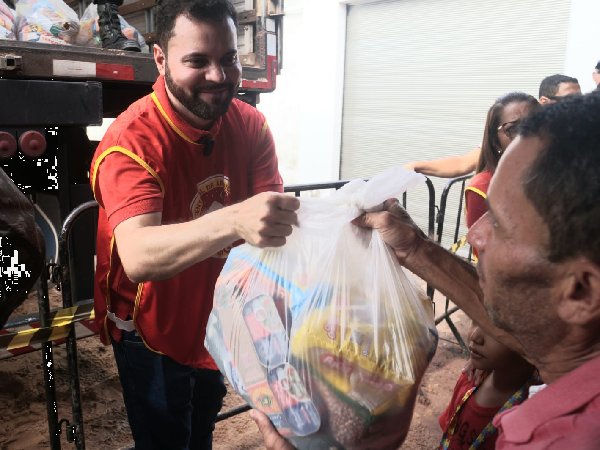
[{"x": 327, "y": 335}]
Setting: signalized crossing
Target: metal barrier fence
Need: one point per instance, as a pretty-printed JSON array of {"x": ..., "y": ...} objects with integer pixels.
[
  {"x": 61, "y": 275},
  {"x": 440, "y": 221},
  {"x": 298, "y": 188}
]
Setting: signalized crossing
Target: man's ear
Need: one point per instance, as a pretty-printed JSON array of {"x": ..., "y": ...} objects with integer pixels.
[
  {"x": 580, "y": 303},
  {"x": 543, "y": 99},
  {"x": 160, "y": 59}
]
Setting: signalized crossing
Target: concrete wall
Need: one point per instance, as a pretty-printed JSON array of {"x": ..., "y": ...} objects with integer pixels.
[
  {"x": 583, "y": 45},
  {"x": 305, "y": 111}
]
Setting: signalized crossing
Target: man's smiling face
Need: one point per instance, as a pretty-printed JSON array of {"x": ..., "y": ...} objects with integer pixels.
[{"x": 201, "y": 67}]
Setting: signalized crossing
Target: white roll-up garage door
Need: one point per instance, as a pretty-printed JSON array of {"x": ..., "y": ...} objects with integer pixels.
[{"x": 420, "y": 76}]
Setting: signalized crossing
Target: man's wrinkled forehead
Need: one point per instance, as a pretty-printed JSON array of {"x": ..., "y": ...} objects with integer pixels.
[
  {"x": 507, "y": 184},
  {"x": 506, "y": 195}
]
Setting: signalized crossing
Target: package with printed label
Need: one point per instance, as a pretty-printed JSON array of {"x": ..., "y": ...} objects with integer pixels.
[
  {"x": 47, "y": 22},
  {"x": 328, "y": 335},
  {"x": 7, "y": 22}
]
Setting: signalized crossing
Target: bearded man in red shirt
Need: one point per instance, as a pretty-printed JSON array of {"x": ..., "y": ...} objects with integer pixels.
[{"x": 181, "y": 176}]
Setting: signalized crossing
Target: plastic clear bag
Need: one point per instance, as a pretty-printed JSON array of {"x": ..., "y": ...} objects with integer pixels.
[
  {"x": 89, "y": 35},
  {"x": 327, "y": 335},
  {"x": 47, "y": 21},
  {"x": 7, "y": 23}
]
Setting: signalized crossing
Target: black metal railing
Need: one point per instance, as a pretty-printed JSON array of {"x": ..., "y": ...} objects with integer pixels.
[
  {"x": 444, "y": 201},
  {"x": 48, "y": 364},
  {"x": 440, "y": 219},
  {"x": 297, "y": 189}
]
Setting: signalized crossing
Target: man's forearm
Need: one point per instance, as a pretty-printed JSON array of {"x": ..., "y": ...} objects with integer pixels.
[
  {"x": 457, "y": 279},
  {"x": 444, "y": 168},
  {"x": 161, "y": 251},
  {"x": 151, "y": 251},
  {"x": 448, "y": 273}
]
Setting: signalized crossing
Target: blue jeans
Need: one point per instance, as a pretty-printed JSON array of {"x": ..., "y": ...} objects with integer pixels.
[{"x": 169, "y": 405}]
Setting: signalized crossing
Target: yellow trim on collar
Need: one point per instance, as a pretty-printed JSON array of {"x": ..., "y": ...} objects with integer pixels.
[
  {"x": 133, "y": 156},
  {"x": 477, "y": 191},
  {"x": 169, "y": 121}
]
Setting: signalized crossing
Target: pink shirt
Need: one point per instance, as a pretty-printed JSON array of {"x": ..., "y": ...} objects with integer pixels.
[{"x": 564, "y": 415}]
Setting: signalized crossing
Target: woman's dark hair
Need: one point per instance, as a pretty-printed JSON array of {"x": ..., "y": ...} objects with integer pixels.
[
  {"x": 201, "y": 10},
  {"x": 491, "y": 149}
]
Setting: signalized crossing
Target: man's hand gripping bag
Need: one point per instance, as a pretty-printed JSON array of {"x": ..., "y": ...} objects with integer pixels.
[{"x": 327, "y": 335}]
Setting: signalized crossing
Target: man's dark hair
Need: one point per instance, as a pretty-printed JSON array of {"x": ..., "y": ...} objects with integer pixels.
[
  {"x": 563, "y": 183},
  {"x": 212, "y": 11},
  {"x": 549, "y": 85},
  {"x": 598, "y": 66}
]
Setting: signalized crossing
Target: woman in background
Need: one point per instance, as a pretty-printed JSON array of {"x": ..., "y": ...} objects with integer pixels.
[{"x": 501, "y": 128}]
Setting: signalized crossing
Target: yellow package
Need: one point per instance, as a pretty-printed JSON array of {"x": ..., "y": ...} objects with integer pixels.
[{"x": 360, "y": 360}]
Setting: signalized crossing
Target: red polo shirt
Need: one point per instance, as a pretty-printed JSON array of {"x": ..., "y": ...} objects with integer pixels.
[
  {"x": 563, "y": 415},
  {"x": 150, "y": 160},
  {"x": 475, "y": 196}
]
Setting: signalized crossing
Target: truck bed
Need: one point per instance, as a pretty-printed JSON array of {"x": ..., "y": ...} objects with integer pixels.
[{"x": 125, "y": 76}]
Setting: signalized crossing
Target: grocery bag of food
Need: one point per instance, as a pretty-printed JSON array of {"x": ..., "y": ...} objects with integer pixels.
[
  {"x": 328, "y": 335},
  {"x": 89, "y": 34},
  {"x": 7, "y": 22},
  {"x": 47, "y": 21}
]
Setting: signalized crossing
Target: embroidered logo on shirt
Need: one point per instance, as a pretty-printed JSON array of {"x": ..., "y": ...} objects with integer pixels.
[{"x": 210, "y": 196}]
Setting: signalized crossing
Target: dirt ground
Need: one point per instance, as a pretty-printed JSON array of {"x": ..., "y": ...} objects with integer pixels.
[{"x": 23, "y": 420}]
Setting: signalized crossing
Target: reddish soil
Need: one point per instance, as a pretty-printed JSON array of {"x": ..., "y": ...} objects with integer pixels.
[{"x": 23, "y": 420}]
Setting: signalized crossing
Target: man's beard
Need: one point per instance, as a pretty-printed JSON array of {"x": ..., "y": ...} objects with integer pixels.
[{"x": 193, "y": 103}]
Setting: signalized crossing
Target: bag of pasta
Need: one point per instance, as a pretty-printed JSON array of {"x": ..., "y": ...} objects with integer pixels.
[{"x": 328, "y": 335}]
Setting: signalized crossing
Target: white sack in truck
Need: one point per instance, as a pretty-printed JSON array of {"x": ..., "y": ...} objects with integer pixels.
[
  {"x": 89, "y": 34},
  {"x": 7, "y": 23},
  {"x": 47, "y": 22},
  {"x": 328, "y": 335}
]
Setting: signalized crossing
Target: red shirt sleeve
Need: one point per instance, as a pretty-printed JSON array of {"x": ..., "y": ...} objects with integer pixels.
[
  {"x": 125, "y": 189},
  {"x": 475, "y": 196},
  {"x": 476, "y": 207},
  {"x": 264, "y": 168}
]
